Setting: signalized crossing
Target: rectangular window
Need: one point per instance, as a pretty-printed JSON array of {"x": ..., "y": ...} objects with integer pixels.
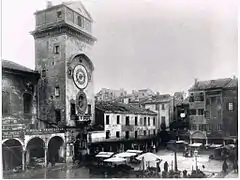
[
  {"x": 118, "y": 119},
  {"x": 145, "y": 121},
  {"x": 43, "y": 73},
  {"x": 148, "y": 121},
  {"x": 107, "y": 119},
  {"x": 230, "y": 106},
  {"x": 59, "y": 14},
  {"x": 136, "y": 121},
  {"x": 58, "y": 115},
  {"x": 154, "y": 132},
  {"x": 156, "y": 107},
  {"x": 57, "y": 91},
  {"x": 191, "y": 98},
  {"x": 79, "y": 21},
  {"x": 5, "y": 103},
  {"x": 200, "y": 111},
  {"x": 141, "y": 123},
  {"x": 219, "y": 127},
  {"x": 127, "y": 134},
  {"x": 107, "y": 134},
  {"x": 73, "y": 109},
  {"x": 117, "y": 134},
  {"x": 127, "y": 120},
  {"x": 144, "y": 132},
  {"x": 56, "y": 49},
  {"x": 163, "y": 119},
  {"x": 136, "y": 134},
  {"x": 192, "y": 111},
  {"x": 154, "y": 121},
  {"x": 89, "y": 109},
  {"x": 27, "y": 103},
  {"x": 163, "y": 106}
]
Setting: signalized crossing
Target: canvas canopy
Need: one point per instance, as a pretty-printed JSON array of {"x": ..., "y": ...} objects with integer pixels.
[
  {"x": 195, "y": 145},
  {"x": 149, "y": 160},
  {"x": 115, "y": 160},
  {"x": 134, "y": 151},
  {"x": 104, "y": 154},
  {"x": 149, "y": 157},
  {"x": 125, "y": 155}
]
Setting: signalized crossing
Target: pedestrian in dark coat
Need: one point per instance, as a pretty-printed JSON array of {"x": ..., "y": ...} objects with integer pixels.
[
  {"x": 224, "y": 166},
  {"x": 166, "y": 166}
]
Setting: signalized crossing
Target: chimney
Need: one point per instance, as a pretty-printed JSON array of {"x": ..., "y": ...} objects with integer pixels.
[
  {"x": 195, "y": 81},
  {"x": 234, "y": 77},
  {"x": 49, "y": 4}
]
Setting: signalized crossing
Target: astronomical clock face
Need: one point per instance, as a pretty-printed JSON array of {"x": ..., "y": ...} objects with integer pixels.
[{"x": 80, "y": 76}]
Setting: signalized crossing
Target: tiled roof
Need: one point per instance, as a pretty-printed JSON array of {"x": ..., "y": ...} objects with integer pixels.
[
  {"x": 217, "y": 83},
  {"x": 14, "y": 66},
  {"x": 158, "y": 99},
  {"x": 115, "y": 107}
]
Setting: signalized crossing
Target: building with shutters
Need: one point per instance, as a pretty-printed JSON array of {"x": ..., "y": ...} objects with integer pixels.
[
  {"x": 213, "y": 109},
  {"x": 122, "y": 127}
]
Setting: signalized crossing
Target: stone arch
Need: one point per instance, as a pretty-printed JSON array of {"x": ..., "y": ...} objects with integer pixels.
[
  {"x": 35, "y": 148},
  {"x": 85, "y": 57},
  {"x": 56, "y": 149},
  {"x": 11, "y": 153},
  {"x": 17, "y": 139}
]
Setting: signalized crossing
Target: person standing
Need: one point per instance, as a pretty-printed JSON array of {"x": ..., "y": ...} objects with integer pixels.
[
  {"x": 224, "y": 166},
  {"x": 166, "y": 166}
]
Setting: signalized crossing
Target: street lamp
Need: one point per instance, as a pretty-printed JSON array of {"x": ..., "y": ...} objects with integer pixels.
[{"x": 195, "y": 154}]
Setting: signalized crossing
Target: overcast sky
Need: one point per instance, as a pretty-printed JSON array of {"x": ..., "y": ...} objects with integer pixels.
[{"x": 157, "y": 44}]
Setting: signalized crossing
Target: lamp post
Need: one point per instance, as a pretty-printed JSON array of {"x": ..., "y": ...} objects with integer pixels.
[{"x": 195, "y": 155}]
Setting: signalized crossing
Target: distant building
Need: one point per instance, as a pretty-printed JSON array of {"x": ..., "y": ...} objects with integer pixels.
[
  {"x": 110, "y": 94},
  {"x": 123, "y": 127},
  {"x": 163, "y": 106},
  {"x": 214, "y": 110},
  {"x": 138, "y": 95}
]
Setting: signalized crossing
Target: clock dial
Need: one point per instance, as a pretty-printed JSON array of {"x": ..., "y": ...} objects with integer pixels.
[{"x": 80, "y": 76}]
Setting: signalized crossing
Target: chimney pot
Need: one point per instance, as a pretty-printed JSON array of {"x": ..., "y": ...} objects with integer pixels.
[{"x": 49, "y": 4}]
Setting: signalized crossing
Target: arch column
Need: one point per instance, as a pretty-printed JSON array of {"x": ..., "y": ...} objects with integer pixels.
[
  {"x": 23, "y": 159},
  {"x": 45, "y": 155}
]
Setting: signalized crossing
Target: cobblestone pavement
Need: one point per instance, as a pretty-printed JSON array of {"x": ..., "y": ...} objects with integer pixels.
[
  {"x": 187, "y": 163},
  {"x": 232, "y": 175},
  {"x": 70, "y": 171}
]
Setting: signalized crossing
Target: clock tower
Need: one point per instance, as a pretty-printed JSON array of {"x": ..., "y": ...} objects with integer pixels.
[{"x": 63, "y": 44}]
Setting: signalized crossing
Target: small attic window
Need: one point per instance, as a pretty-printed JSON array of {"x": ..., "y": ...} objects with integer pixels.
[
  {"x": 79, "y": 21},
  {"x": 56, "y": 49},
  {"x": 59, "y": 14}
]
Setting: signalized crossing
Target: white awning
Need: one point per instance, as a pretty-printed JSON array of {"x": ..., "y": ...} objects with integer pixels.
[
  {"x": 104, "y": 154},
  {"x": 196, "y": 145},
  {"x": 115, "y": 160},
  {"x": 134, "y": 151},
  {"x": 125, "y": 155},
  {"x": 149, "y": 157}
]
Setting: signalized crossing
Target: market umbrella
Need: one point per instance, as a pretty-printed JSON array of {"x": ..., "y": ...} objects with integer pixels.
[{"x": 149, "y": 157}]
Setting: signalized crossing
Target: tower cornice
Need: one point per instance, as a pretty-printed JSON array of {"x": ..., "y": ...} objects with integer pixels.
[{"x": 63, "y": 28}]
